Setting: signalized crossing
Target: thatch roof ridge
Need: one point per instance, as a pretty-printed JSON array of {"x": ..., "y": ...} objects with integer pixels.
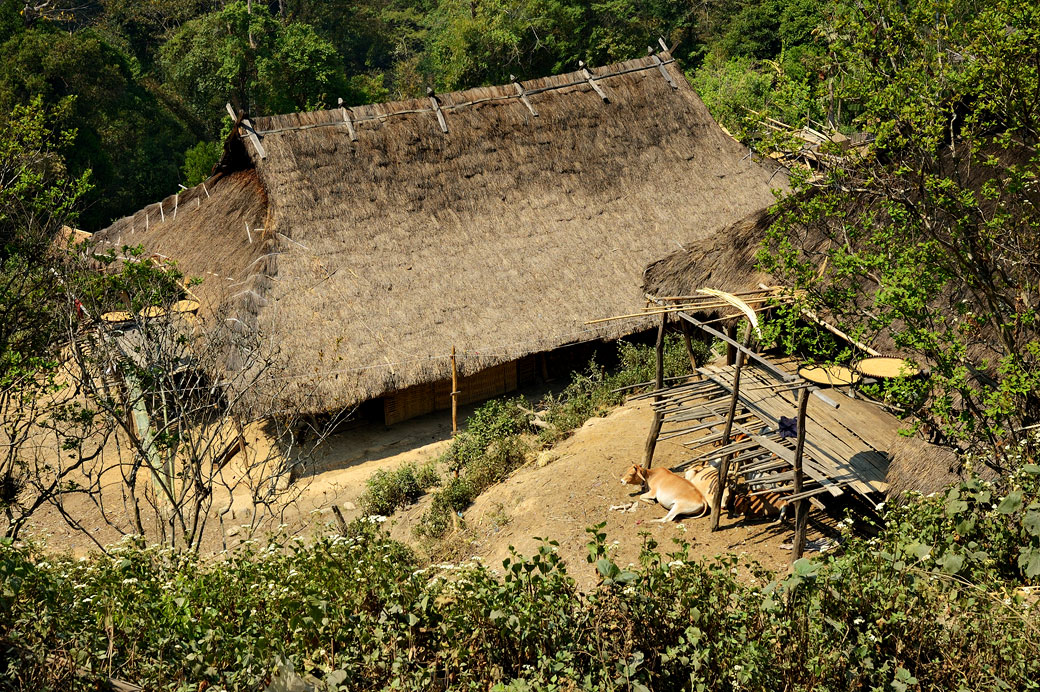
[
  {"x": 465, "y": 98},
  {"x": 223, "y": 216}
]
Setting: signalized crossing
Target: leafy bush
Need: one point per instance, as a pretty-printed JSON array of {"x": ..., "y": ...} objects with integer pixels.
[
  {"x": 593, "y": 391},
  {"x": 490, "y": 447},
  {"x": 890, "y": 612},
  {"x": 388, "y": 490}
]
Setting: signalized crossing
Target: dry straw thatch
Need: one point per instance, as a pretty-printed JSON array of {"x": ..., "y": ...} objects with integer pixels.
[{"x": 500, "y": 237}]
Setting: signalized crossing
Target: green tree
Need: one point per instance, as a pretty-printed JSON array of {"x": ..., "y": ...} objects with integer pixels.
[
  {"x": 125, "y": 135},
  {"x": 931, "y": 232},
  {"x": 37, "y": 199},
  {"x": 254, "y": 60}
]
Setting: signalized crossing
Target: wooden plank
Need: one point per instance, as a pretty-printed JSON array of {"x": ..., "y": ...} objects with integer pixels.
[
  {"x": 348, "y": 120},
  {"x": 523, "y": 95},
  {"x": 253, "y": 138},
  {"x": 592, "y": 81},
  {"x": 694, "y": 428},
  {"x": 662, "y": 68},
  {"x": 788, "y": 456}
]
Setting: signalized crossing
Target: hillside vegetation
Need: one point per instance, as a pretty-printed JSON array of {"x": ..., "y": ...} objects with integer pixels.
[{"x": 933, "y": 602}]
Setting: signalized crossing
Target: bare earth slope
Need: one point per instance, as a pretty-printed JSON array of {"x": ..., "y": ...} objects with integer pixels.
[{"x": 576, "y": 489}]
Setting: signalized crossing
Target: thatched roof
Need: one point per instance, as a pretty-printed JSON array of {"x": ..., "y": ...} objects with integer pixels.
[
  {"x": 501, "y": 237},
  {"x": 725, "y": 262}
]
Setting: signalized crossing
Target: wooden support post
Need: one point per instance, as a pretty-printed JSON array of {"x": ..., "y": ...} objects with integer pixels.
[
  {"x": 731, "y": 350},
  {"x": 592, "y": 81},
  {"x": 689, "y": 344},
  {"x": 523, "y": 95},
  {"x": 161, "y": 214},
  {"x": 716, "y": 509},
  {"x": 655, "y": 427},
  {"x": 801, "y": 516},
  {"x": 437, "y": 110},
  {"x": 346, "y": 119},
  {"x": 661, "y": 67},
  {"x": 454, "y": 399}
]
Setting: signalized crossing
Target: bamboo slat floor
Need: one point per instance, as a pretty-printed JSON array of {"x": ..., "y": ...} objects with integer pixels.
[{"x": 844, "y": 445}]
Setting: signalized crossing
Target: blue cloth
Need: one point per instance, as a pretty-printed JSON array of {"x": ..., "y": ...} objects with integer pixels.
[{"x": 788, "y": 427}]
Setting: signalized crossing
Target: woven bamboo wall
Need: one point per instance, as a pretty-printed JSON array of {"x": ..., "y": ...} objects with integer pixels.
[{"x": 436, "y": 396}]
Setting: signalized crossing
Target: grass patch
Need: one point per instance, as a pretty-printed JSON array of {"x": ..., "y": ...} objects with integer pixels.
[{"x": 387, "y": 491}]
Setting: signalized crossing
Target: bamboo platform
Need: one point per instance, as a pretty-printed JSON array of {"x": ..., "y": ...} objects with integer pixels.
[{"x": 844, "y": 445}]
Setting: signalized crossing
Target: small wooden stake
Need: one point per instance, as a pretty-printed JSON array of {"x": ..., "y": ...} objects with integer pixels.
[
  {"x": 523, "y": 95},
  {"x": 655, "y": 427},
  {"x": 346, "y": 118},
  {"x": 454, "y": 398},
  {"x": 592, "y": 81},
  {"x": 716, "y": 509},
  {"x": 801, "y": 517},
  {"x": 661, "y": 67},
  {"x": 731, "y": 350},
  {"x": 437, "y": 110},
  {"x": 689, "y": 344}
]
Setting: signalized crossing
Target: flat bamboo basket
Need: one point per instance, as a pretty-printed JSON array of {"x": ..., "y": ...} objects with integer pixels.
[
  {"x": 830, "y": 375},
  {"x": 887, "y": 366},
  {"x": 117, "y": 316},
  {"x": 152, "y": 312},
  {"x": 191, "y": 306}
]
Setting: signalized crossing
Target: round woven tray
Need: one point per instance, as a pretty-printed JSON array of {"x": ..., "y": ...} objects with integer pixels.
[
  {"x": 117, "y": 316},
  {"x": 185, "y": 306},
  {"x": 152, "y": 311},
  {"x": 887, "y": 366},
  {"x": 830, "y": 375}
]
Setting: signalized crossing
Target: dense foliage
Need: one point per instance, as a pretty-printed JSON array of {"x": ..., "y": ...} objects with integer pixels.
[
  {"x": 921, "y": 605},
  {"x": 928, "y": 235}
]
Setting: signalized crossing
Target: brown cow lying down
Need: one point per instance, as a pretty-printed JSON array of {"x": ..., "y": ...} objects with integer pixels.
[
  {"x": 706, "y": 480},
  {"x": 672, "y": 491}
]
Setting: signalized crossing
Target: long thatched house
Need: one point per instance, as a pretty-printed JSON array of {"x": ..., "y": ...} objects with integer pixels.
[{"x": 367, "y": 242}]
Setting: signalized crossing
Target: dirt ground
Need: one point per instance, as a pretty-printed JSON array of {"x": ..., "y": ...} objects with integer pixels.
[
  {"x": 556, "y": 495},
  {"x": 574, "y": 485}
]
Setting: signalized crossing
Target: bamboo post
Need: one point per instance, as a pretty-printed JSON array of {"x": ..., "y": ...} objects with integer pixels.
[
  {"x": 731, "y": 350},
  {"x": 689, "y": 344},
  {"x": 716, "y": 509},
  {"x": 801, "y": 505},
  {"x": 655, "y": 427},
  {"x": 454, "y": 398}
]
